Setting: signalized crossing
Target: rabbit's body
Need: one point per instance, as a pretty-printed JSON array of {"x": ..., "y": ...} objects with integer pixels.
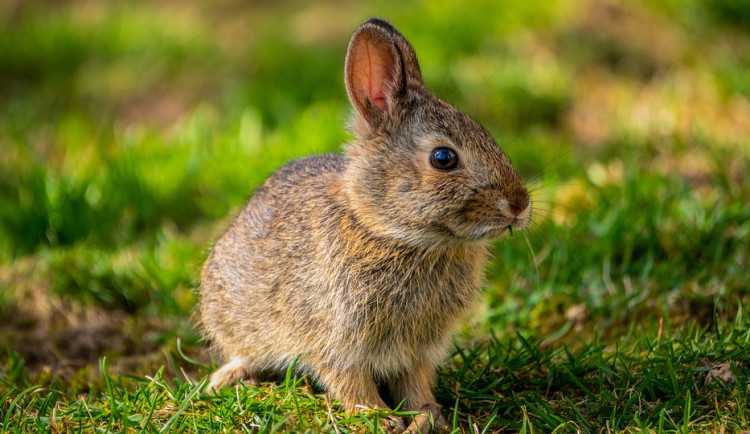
[
  {"x": 342, "y": 304},
  {"x": 363, "y": 264}
]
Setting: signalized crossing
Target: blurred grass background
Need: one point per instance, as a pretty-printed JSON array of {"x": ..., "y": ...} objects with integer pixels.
[{"x": 131, "y": 132}]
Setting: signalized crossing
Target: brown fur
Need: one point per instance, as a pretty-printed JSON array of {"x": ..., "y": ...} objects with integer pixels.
[{"x": 363, "y": 264}]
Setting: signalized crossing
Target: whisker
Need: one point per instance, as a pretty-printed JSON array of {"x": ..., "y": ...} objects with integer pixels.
[
  {"x": 552, "y": 185},
  {"x": 538, "y": 229},
  {"x": 548, "y": 166},
  {"x": 568, "y": 208},
  {"x": 543, "y": 212},
  {"x": 533, "y": 258},
  {"x": 550, "y": 210},
  {"x": 544, "y": 203}
]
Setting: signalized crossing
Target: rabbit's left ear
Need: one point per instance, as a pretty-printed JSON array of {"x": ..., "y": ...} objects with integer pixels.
[{"x": 380, "y": 66}]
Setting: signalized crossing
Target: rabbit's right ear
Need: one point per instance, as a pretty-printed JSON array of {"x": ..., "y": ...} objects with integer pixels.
[{"x": 380, "y": 67}]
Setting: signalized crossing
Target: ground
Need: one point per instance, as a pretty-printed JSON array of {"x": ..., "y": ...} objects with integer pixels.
[{"x": 132, "y": 132}]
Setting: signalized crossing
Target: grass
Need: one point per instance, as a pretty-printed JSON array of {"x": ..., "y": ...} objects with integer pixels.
[{"x": 131, "y": 133}]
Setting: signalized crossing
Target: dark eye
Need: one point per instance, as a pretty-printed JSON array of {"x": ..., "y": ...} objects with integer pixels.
[{"x": 443, "y": 159}]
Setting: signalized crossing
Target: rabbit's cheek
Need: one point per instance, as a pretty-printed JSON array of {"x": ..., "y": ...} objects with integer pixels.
[{"x": 480, "y": 210}]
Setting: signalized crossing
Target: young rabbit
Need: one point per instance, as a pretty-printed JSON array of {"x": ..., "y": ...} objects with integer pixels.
[{"x": 363, "y": 264}]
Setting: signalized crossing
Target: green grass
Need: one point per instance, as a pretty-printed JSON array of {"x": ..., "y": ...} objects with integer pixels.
[{"x": 132, "y": 132}]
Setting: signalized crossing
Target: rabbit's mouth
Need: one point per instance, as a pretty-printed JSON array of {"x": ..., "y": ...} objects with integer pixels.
[{"x": 491, "y": 232}]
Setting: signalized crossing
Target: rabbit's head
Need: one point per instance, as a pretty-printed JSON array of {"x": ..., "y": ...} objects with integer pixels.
[{"x": 419, "y": 169}]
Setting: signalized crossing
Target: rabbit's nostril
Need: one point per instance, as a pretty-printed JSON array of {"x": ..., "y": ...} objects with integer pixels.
[{"x": 518, "y": 202}]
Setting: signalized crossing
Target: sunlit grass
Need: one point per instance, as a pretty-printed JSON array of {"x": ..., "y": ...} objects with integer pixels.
[{"x": 131, "y": 133}]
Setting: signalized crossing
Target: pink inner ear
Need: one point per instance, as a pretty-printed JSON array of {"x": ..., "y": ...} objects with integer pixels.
[{"x": 373, "y": 70}]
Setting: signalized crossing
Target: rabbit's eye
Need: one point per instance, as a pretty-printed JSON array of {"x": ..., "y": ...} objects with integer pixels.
[{"x": 443, "y": 159}]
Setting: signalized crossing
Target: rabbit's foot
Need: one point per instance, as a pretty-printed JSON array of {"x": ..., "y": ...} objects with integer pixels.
[
  {"x": 429, "y": 420},
  {"x": 393, "y": 424},
  {"x": 237, "y": 369}
]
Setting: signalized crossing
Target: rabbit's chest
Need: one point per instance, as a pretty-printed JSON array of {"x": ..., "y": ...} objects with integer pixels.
[
  {"x": 413, "y": 308},
  {"x": 408, "y": 324},
  {"x": 395, "y": 306}
]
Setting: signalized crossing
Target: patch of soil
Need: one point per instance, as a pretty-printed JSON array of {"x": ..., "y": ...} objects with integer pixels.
[{"x": 64, "y": 339}]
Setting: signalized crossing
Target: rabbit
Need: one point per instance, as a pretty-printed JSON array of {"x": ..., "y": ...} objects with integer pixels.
[{"x": 361, "y": 265}]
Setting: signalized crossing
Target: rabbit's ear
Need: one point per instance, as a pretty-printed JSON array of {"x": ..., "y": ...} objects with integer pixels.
[{"x": 380, "y": 66}]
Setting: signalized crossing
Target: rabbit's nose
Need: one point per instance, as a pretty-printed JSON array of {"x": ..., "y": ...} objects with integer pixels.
[{"x": 518, "y": 202}]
